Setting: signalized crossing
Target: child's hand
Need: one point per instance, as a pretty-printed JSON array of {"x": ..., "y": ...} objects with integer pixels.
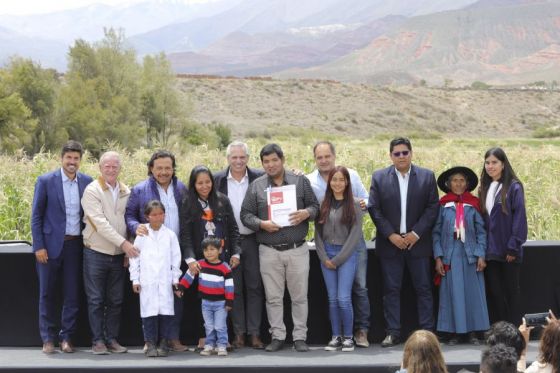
[
  {"x": 228, "y": 308},
  {"x": 178, "y": 292},
  {"x": 136, "y": 288}
]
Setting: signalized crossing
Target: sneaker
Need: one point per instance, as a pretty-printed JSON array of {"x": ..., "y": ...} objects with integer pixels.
[
  {"x": 163, "y": 348},
  {"x": 300, "y": 346},
  {"x": 207, "y": 351},
  {"x": 348, "y": 344},
  {"x": 151, "y": 350},
  {"x": 115, "y": 347},
  {"x": 334, "y": 345},
  {"x": 361, "y": 338},
  {"x": 99, "y": 348},
  {"x": 390, "y": 341},
  {"x": 222, "y": 351},
  {"x": 275, "y": 345}
]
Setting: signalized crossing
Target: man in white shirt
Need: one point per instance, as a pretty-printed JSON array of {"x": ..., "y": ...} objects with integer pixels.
[{"x": 249, "y": 293}]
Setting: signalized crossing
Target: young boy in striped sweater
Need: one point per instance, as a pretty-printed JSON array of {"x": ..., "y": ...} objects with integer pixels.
[{"x": 215, "y": 285}]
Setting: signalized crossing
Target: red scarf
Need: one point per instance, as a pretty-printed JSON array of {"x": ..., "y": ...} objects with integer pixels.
[{"x": 466, "y": 197}]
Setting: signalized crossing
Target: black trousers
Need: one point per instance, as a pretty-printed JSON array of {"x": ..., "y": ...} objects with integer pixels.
[{"x": 503, "y": 291}]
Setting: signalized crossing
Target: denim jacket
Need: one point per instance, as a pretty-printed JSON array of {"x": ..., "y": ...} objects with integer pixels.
[{"x": 442, "y": 234}]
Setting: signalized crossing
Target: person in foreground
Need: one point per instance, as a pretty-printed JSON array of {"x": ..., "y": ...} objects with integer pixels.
[
  {"x": 403, "y": 204},
  {"x": 153, "y": 274},
  {"x": 459, "y": 250},
  {"x": 422, "y": 354},
  {"x": 104, "y": 204},
  {"x": 498, "y": 358},
  {"x": 56, "y": 229},
  {"x": 503, "y": 208},
  {"x": 549, "y": 348},
  {"x": 215, "y": 286},
  {"x": 337, "y": 234}
]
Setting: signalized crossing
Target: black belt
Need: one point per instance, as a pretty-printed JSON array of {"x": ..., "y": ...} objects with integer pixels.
[
  {"x": 71, "y": 238},
  {"x": 287, "y": 246},
  {"x": 246, "y": 235}
]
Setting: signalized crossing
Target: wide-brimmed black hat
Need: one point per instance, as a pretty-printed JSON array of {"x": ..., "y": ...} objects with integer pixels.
[{"x": 472, "y": 179}]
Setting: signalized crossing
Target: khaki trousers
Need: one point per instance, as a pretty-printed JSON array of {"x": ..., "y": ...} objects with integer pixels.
[{"x": 279, "y": 268}]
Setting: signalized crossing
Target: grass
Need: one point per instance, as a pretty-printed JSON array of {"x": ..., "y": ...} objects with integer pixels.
[{"x": 535, "y": 161}]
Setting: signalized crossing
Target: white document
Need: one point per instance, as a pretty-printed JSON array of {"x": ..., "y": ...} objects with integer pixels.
[{"x": 282, "y": 202}]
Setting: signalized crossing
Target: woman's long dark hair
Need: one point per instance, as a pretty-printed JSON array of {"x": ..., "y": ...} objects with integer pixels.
[
  {"x": 507, "y": 178},
  {"x": 348, "y": 212},
  {"x": 192, "y": 194}
]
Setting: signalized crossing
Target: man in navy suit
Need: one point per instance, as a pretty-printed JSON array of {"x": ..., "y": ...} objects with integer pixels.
[
  {"x": 403, "y": 202},
  {"x": 56, "y": 226}
]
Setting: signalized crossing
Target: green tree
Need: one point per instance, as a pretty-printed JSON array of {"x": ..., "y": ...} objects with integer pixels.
[
  {"x": 37, "y": 87},
  {"x": 101, "y": 100},
  {"x": 16, "y": 123}
]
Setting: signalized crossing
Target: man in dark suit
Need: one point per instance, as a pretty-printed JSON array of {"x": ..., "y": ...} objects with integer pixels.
[
  {"x": 56, "y": 227},
  {"x": 403, "y": 204},
  {"x": 234, "y": 182}
]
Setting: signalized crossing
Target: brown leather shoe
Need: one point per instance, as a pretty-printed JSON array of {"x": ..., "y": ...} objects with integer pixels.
[
  {"x": 238, "y": 341},
  {"x": 116, "y": 348},
  {"x": 48, "y": 348},
  {"x": 66, "y": 346},
  {"x": 177, "y": 346},
  {"x": 256, "y": 342},
  {"x": 99, "y": 348}
]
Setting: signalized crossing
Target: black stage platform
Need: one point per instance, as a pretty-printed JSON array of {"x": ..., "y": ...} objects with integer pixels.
[
  {"x": 372, "y": 360},
  {"x": 18, "y": 324}
]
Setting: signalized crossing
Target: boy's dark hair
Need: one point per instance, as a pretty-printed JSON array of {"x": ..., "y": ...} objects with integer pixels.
[
  {"x": 269, "y": 149},
  {"x": 152, "y": 205},
  {"x": 508, "y": 334},
  {"x": 72, "y": 146},
  {"x": 498, "y": 359},
  {"x": 400, "y": 141},
  {"x": 211, "y": 241}
]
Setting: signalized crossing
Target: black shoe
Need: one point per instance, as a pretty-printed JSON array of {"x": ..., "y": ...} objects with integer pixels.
[
  {"x": 473, "y": 339},
  {"x": 300, "y": 346},
  {"x": 453, "y": 340},
  {"x": 275, "y": 345},
  {"x": 390, "y": 341}
]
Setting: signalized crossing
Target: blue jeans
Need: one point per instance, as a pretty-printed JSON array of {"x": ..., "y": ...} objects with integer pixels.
[
  {"x": 215, "y": 316},
  {"x": 156, "y": 328},
  {"x": 104, "y": 286},
  {"x": 339, "y": 288},
  {"x": 362, "y": 310}
]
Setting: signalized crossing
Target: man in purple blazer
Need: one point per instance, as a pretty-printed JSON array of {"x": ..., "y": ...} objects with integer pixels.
[
  {"x": 161, "y": 185},
  {"x": 56, "y": 228},
  {"x": 403, "y": 202}
]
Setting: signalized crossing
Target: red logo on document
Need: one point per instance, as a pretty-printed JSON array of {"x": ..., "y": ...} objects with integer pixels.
[{"x": 276, "y": 198}]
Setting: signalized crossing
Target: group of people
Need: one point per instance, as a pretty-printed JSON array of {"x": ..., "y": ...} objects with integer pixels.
[{"x": 218, "y": 228}]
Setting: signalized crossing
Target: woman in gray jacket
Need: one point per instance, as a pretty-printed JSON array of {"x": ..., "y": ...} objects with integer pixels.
[{"x": 338, "y": 231}]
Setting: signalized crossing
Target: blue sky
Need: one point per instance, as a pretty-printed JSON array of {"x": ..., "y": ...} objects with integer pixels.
[{"x": 47, "y": 6}]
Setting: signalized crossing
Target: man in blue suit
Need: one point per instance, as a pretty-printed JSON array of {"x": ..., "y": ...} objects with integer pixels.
[
  {"x": 403, "y": 202},
  {"x": 56, "y": 227}
]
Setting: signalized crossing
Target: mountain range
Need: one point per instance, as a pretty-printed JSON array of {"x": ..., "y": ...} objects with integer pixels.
[{"x": 377, "y": 41}]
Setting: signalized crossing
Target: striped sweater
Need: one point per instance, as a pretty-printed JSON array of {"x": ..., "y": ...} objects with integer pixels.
[{"x": 215, "y": 281}]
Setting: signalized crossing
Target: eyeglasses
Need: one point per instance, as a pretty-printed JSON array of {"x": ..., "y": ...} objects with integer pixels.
[{"x": 404, "y": 153}]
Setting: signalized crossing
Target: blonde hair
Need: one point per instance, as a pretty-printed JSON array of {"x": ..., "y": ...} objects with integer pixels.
[{"x": 422, "y": 353}]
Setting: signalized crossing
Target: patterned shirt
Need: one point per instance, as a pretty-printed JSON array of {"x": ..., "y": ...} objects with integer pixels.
[
  {"x": 254, "y": 209},
  {"x": 215, "y": 282}
]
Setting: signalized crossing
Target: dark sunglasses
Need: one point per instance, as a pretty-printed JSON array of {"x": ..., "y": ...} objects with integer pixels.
[{"x": 404, "y": 153}]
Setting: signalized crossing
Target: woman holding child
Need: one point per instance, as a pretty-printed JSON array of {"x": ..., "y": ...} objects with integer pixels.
[{"x": 205, "y": 212}]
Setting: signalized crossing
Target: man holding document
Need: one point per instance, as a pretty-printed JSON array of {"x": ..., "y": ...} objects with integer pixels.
[{"x": 278, "y": 207}]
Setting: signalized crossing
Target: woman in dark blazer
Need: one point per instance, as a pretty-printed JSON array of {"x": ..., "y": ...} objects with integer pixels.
[
  {"x": 206, "y": 212},
  {"x": 502, "y": 203}
]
